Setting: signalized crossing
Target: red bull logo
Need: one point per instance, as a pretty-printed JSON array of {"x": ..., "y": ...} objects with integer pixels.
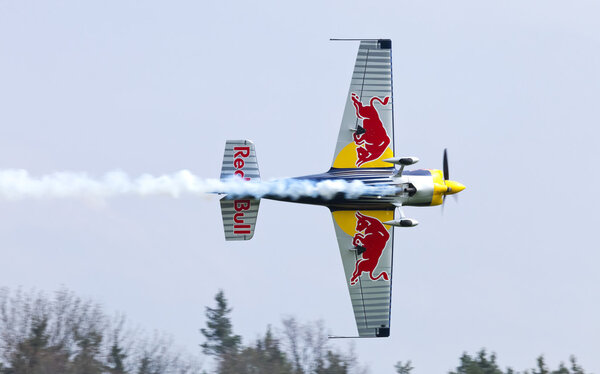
[
  {"x": 370, "y": 240},
  {"x": 370, "y": 138}
]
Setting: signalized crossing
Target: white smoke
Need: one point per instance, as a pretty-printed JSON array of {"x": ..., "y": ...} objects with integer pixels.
[{"x": 17, "y": 184}]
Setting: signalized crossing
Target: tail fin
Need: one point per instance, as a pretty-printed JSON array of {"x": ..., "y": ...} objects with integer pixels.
[{"x": 239, "y": 215}]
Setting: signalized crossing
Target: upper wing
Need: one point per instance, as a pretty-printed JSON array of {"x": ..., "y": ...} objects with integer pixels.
[
  {"x": 367, "y": 246},
  {"x": 367, "y": 132}
]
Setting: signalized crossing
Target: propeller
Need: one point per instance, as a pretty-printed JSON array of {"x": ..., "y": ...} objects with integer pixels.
[
  {"x": 452, "y": 186},
  {"x": 446, "y": 171},
  {"x": 449, "y": 187},
  {"x": 446, "y": 175},
  {"x": 443, "y": 186}
]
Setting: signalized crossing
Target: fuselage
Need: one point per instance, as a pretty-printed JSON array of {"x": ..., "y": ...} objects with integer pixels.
[{"x": 421, "y": 187}]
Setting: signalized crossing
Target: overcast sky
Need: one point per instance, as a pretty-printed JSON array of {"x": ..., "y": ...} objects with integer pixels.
[{"x": 511, "y": 88}]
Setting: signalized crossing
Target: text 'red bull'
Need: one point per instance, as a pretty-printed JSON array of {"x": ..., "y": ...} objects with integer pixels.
[
  {"x": 238, "y": 161},
  {"x": 370, "y": 241},
  {"x": 239, "y": 226},
  {"x": 371, "y": 138}
]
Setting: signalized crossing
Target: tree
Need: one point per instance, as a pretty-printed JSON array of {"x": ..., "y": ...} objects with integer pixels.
[
  {"x": 116, "y": 358},
  {"x": 404, "y": 368},
  {"x": 87, "y": 359},
  {"x": 542, "y": 368},
  {"x": 219, "y": 332},
  {"x": 265, "y": 356},
  {"x": 28, "y": 354},
  {"x": 144, "y": 366},
  {"x": 118, "y": 354},
  {"x": 333, "y": 364},
  {"x": 575, "y": 368},
  {"x": 69, "y": 335},
  {"x": 484, "y": 364},
  {"x": 310, "y": 352},
  {"x": 269, "y": 353},
  {"x": 481, "y": 364}
]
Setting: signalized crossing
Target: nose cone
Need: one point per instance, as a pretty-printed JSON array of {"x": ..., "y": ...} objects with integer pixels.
[{"x": 454, "y": 187}]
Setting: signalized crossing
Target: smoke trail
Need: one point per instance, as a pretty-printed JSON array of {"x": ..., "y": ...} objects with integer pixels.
[{"x": 17, "y": 184}]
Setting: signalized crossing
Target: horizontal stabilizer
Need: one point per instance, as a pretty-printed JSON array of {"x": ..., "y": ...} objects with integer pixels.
[
  {"x": 239, "y": 215},
  {"x": 240, "y": 160}
]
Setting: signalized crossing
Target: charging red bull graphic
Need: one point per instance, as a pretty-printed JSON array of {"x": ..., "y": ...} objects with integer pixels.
[
  {"x": 370, "y": 240},
  {"x": 371, "y": 138}
]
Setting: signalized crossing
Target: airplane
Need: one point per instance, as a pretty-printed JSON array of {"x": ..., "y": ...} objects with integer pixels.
[{"x": 365, "y": 152}]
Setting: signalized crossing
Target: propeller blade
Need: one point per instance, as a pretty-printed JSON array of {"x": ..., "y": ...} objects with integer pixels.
[
  {"x": 443, "y": 204},
  {"x": 446, "y": 171}
]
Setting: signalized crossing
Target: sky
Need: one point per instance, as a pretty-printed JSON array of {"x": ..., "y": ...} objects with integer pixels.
[{"x": 510, "y": 88}]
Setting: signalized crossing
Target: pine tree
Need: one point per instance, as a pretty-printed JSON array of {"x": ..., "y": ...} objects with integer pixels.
[
  {"x": 404, "y": 368},
  {"x": 482, "y": 364},
  {"x": 116, "y": 358},
  {"x": 67, "y": 335},
  {"x": 144, "y": 366},
  {"x": 29, "y": 352},
  {"x": 575, "y": 368},
  {"x": 478, "y": 365},
  {"x": 334, "y": 364},
  {"x": 263, "y": 357},
  {"x": 87, "y": 360},
  {"x": 219, "y": 333},
  {"x": 541, "y": 366},
  {"x": 272, "y": 355}
]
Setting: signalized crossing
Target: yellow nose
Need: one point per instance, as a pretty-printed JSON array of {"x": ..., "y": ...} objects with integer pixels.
[{"x": 454, "y": 187}]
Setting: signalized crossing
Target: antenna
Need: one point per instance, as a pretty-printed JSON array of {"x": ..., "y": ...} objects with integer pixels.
[{"x": 349, "y": 40}]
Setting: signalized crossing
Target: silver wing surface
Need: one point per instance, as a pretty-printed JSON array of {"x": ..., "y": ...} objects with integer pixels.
[
  {"x": 366, "y": 246},
  {"x": 366, "y": 135},
  {"x": 239, "y": 215}
]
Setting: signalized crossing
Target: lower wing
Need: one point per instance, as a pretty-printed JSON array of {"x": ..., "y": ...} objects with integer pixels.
[{"x": 366, "y": 246}]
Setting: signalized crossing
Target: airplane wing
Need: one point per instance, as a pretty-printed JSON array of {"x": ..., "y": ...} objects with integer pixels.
[
  {"x": 366, "y": 246},
  {"x": 367, "y": 132}
]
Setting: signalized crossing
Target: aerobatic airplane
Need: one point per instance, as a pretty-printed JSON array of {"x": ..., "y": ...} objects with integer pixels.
[{"x": 365, "y": 152}]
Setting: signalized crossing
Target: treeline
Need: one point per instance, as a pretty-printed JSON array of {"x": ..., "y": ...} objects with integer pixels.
[
  {"x": 65, "y": 334},
  {"x": 484, "y": 363},
  {"x": 305, "y": 350},
  {"x": 296, "y": 349}
]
